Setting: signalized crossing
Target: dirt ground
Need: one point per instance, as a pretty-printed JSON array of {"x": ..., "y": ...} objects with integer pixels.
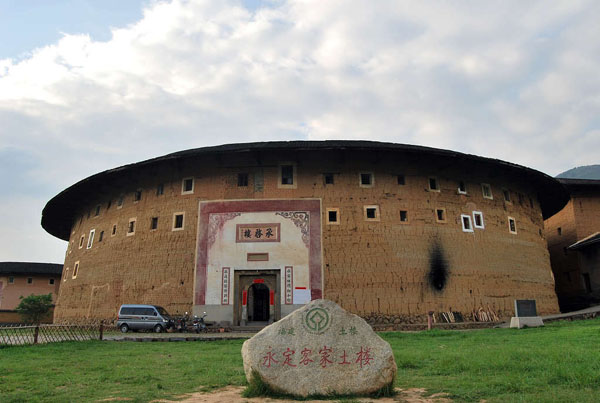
[{"x": 233, "y": 394}]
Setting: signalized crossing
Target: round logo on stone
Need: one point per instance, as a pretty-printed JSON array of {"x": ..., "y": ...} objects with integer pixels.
[{"x": 317, "y": 320}]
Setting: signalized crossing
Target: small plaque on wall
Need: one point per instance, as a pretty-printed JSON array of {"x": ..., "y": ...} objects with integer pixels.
[
  {"x": 225, "y": 287},
  {"x": 258, "y": 232}
]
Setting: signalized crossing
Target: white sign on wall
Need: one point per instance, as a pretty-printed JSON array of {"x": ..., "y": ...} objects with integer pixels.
[{"x": 301, "y": 295}]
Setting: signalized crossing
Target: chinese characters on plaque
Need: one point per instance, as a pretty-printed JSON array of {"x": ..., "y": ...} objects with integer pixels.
[
  {"x": 258, "y": 232},
  {"x": 225, "y": 287},
  {"x": 289, "y": 285}
]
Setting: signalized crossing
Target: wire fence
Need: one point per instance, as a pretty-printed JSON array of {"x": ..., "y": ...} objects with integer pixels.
[{"x": 41, "y": 334}]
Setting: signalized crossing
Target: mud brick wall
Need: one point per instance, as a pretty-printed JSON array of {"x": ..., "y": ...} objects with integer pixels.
[
  {"x": 577, "y": 220},
  {"x": 387, "y": 267}
]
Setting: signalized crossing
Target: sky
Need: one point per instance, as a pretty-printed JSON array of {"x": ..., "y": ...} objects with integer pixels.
[{"x": 90, "y": 85}]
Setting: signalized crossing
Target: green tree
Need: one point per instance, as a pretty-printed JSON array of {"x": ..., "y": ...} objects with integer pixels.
[{"x": 34, "y": 307}]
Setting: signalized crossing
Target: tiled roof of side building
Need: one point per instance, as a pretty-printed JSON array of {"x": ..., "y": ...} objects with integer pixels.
[
  {"x": 30, "y": 268},
  {"x": 585, "y": 242},
  {"x": 572, "y": 183}
]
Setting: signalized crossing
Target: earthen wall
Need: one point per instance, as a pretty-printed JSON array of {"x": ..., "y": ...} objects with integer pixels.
[{"x": 370, "y": 267}]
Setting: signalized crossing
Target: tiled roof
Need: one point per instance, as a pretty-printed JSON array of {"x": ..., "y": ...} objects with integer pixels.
[
  {"x": 30, "y": 268},
  {"x": 58, "y": 214},
  {"x": 585, "y": 242}
]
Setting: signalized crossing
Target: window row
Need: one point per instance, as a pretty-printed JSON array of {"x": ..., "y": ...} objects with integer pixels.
[
  {"x": 187, "y": 187},
  {"x": 11, "y": 280},
  {"x": 469, "y": 223},
  {"x": 177, "y": 225},
  {"x": 287, "y": 179}
]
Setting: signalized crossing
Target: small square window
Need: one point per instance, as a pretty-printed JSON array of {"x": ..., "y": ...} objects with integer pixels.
[
  {"x": 187, "y": 186},
  {"x": 434, "y": 185},
  {"x": 333, "y": 216},
  {"x": 11, "y": 280},
  {"x": 51, "y": 281},
  {"x": 328, "y": 179},
  {"x": 160, "y": 189},
  {"x": 286, "y": 175},
  {"x": 403, "y": 216},
  {"x": 81, "y": 241},
  {"x": 109, "y": 204},
  {"x": 440, "y": 215},
  {"x": 75, "y": 270},
  {"x": 131, "y": 227},
  {"x": 154, "y": 223},
  {"x": 512, "y": 225},
  {"x": 114, "y": 230},
  {"x": 466, "y": 223},
  {"x": 242, "y": 179},
  {"x": 101, "y": 236},
  {"x": 401, "y": 180},
  {"x": 366, "y": 179},
  {"x": 97, "y": 212},
  {"x": 29, "y": 280},
  {"x": 521, "y": 198},
  {"x": 559, "y": 231},
  {"x": 478, "y": 219},
  {"x": 506, "y": 195},
  {"x": 371, "y": 213},
  {"x": 91, "y": 239},
  {"x": 137, "y": 195},
  {"x": 486, "y": 190},
  {"x": 120, "y": 201},
  {"x": 178, "y": 221},
  {"x": 462, "y": 188}
]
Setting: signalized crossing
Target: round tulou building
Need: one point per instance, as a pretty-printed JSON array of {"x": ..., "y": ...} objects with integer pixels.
[{"x": 250, "y": 232}]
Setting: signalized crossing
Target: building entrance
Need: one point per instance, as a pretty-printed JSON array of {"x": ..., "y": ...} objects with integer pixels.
[
  {"x": 258, "y": 303},
  {"x": 256, "y": 297}
]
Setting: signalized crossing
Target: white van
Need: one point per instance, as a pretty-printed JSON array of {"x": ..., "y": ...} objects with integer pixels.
[{"x": 143, "y": 317}]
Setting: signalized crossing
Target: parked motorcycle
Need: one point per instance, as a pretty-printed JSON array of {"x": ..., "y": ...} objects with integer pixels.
[
  {"x": 181, "y": 325},
  {"x": 199, "y": 324}
]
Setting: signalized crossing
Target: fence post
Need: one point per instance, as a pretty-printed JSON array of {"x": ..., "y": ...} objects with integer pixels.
[
  {"x": 36, "y": 332},
  {"x": 101, "y": 329}
]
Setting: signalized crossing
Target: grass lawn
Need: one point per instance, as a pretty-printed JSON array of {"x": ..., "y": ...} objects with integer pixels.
[{"x": 560, "y": 362}]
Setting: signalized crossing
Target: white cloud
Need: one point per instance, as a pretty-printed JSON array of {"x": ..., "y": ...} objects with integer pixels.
[{"x": 511, "y": 80}]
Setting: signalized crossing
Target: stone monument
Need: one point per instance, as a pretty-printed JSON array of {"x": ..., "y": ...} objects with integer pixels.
[
  {"x": 320, "y": 349},
  {"x": 526, "y": 314}
]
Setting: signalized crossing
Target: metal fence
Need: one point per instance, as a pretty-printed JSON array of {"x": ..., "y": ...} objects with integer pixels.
[{"x": 37, "y": 334}]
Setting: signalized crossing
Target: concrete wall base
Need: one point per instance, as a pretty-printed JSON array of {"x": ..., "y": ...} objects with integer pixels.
[{"x": 528, "y": 321}]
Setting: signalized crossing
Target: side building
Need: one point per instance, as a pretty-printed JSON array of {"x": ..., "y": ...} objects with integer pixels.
[
  {"x": 250, "y": 232},
  {"x": 573, "y": 241},
  {"x": 21, "y": 279}
]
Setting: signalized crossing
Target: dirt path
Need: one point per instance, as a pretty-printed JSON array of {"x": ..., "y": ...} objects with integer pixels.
[{"x": 233, "y": 394}]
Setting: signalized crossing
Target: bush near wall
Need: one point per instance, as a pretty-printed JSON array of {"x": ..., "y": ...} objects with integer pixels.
[{"x": 10, "y": 316}]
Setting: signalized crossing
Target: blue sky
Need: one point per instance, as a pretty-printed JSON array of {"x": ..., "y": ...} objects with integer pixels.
[
  {"x": 29, "y": 24},
  {"x": 86, "y": 86}
]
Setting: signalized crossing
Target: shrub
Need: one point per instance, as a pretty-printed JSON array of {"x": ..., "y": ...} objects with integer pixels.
[{"x": 34, "y": 307}]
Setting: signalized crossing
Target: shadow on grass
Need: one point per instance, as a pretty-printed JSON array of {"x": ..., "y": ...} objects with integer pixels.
[{"x": 258, "y": 388}]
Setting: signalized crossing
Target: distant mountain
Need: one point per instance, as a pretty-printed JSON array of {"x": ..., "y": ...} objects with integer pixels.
[{"x": 584, "y": 172}]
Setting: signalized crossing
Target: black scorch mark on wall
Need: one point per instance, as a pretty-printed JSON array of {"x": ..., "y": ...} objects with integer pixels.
[{"x": 438, "y": 268}]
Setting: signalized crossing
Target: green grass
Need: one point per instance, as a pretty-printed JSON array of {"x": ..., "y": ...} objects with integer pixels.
[
  {"x": 560, "y": 362},
  {"x": 94, "y": 370}
]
